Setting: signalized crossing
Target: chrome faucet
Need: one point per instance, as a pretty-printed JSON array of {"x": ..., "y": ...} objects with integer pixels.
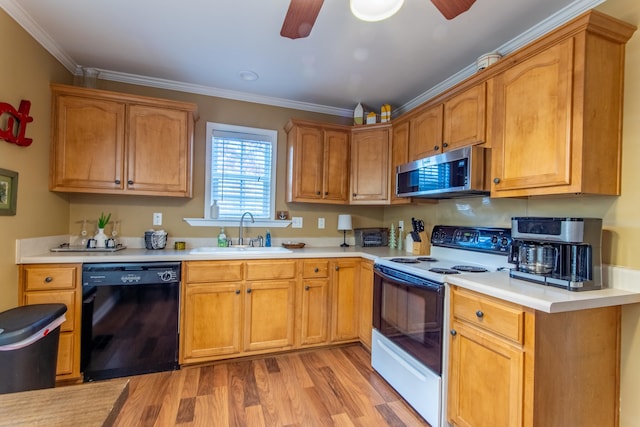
[{"x": 240, "y": 238}]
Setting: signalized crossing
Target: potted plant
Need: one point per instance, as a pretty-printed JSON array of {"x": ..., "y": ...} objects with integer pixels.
[{"x": 100, "y": 237}]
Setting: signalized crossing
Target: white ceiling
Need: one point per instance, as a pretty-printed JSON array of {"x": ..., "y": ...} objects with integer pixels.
[{"x": 201, "y": 46}]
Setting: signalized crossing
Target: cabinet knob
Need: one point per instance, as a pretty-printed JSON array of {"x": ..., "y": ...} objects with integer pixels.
[
  {"x": 436, "y": 147},
  {"x": 118, "y": 181},
  {"x": 354, "y": 194},
  {"x": 315, "y": 270},
  {"x": 130, "y": 182},
  {"x": 445, "y": 145},
  {"x": 249, "y": 290},
  {"x": 496, "y": 180},
  {"x": 337, "y": 268},
  {"x": 326, "y": 193},
  {"x": 453, "y": 332},
  {"x": 48, "y": 279},
  {"x": 237, "y": 291},
  {"x": 480, "y": 314},
  {"x": 318, "y": 193},
  {"x": 306, "y": 288}
]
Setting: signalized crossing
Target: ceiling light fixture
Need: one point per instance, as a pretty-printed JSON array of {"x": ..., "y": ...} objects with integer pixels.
[
  {"x": 375, "y": 10},
  {"x": 248, "y": 75}
]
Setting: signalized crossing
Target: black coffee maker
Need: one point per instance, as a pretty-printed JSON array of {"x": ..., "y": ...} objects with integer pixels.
[{"x": 561, "y": 252}]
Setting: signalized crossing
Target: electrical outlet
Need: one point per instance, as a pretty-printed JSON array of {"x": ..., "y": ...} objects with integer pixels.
[
  {"x": 321, "y": 223},
  {"x": 401, "y": 225},
  {"x": 157, "y": 218},
  {"x": 296, "y": 222}
]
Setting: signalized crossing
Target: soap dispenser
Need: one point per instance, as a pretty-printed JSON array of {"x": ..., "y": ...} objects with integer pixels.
[
  {"x": 222, "y": 238},
  {"x": 267, "y": 239}
]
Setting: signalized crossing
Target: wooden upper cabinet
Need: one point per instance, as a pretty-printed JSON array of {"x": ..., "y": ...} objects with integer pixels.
[
  {"x": 317, "y": 162},
  {"x": 557, "y": 113},
  {"x": 370, "y": 168},
  {"x": 114, "y": 143},
  {"x": 426, "y": 133},
  {"x": 399, "y": 156},
  {"x": 457, "y": 122}
]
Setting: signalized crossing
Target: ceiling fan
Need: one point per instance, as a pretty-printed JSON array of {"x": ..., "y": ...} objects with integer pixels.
[{"x": 302, "y": 14}]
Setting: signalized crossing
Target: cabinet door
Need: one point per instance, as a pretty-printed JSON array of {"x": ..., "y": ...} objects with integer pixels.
[
  {"x": 465, "y": 118},
  {"x": 399, "y": 156},
  {"x": 212, "y": 321},
  {"x": 370, "y": 166},
  {"x": 365, "y": 294},
  {"x": 485, "y": 380},
  {"x": 314, "y": 316},
  {"x": 336, "y": 166},
  {"x": 269, "y": 314},
  {"x": 306, "y": 163},
  {"x": 344, "y": 300},
  {"x": 426, "y": 133},
  {"x": 159, "y": 151},
  {"x": 88, "y": 144},
  {"x": 532, "y": 135}
]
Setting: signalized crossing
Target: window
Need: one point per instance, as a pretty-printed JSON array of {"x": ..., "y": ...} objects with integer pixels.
[{"x": 240, "y": 171}]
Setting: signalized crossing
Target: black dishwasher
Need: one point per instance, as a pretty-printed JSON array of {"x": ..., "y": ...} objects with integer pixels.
[{"x": 129, "y": 319}]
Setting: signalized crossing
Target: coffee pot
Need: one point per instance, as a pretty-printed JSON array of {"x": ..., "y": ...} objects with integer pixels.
[{"x": 537, "y": 257}]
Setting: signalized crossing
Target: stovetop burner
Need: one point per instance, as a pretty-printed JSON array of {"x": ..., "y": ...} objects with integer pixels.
[
  {"x": 470, "y": 268},
  {"x": 405, "y": 260},
  {"x": 426, "y": 259},
  {"x": 441, "y": 270}
]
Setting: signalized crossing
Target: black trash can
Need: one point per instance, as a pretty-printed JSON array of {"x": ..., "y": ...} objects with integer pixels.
[{"x": 29, "y": 337}]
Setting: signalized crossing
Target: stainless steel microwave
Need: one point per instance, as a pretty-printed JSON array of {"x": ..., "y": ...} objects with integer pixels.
[{"x": 456, "y": 173}]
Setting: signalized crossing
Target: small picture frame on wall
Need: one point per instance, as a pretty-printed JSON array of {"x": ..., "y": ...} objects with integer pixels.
[{"x": 8, "y": 192}]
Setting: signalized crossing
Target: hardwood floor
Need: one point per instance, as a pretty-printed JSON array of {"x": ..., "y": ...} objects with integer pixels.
[{"x": 325, "y": 387}]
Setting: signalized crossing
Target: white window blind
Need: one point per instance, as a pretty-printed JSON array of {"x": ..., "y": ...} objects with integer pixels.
[{"x": 241, "y": 170}]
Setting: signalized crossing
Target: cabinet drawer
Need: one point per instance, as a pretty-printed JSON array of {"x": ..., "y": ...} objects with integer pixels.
[
  {"x": 63, "y": 297},
  {"x": 39, "y": 278},
  {"x": 213, "y": 271},
  {"x": 499, "y": 317},
  {"x": 315, "y": 268},
  {"x": 267, "y": 270}
]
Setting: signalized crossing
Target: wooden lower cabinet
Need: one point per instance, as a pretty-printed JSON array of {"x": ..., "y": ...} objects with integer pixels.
[
  {"x": 270, "y": 305},
  {"x": 58, "y": 283},
  {"x": 365, "y": 305},
  {"x": 344, "y": 299},
  {"x": 513, "y": 366}
]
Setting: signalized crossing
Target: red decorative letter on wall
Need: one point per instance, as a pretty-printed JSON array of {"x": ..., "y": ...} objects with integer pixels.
[{"x": 16, "y": 125}]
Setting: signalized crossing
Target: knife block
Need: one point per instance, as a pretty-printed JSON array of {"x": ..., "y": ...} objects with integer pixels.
[{"x": 423, "y": 247}]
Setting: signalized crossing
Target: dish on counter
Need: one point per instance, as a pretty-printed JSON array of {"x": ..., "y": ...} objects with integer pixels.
[{"x": 292, "y": 245}]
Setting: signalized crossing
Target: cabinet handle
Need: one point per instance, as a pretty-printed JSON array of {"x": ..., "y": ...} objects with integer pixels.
[
  {"x": 315, "y": 270},
  {"x": 48, "y": 279},
  {"x": 337, "y": 268},
  {"x": 118, "y": 181},
  {"x": 436, "y": 148},
  {"x": 480, "y": 314},
  {"x": 237, "y": 291},
  {"x": 453, "y": 332},
  {"x": 307, "y": 287},
  {"x": 130, "y": 182},
  {"x": 318, "y": 193},
  {"x": 326, "y": 193},
  {"x": 445, "y": 145},
  {"x": 354, "y": 194},
  {"x": 249, "y": 290},
  {"x": 496, "y": 180}
]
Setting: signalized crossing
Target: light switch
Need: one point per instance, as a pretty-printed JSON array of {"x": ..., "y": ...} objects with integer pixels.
[
  {"x": 401, "y": 225},
  {"x": 296, "y": 222},
  {"x": 321, "y": 223},
  {"x": 157, "y": 218}
]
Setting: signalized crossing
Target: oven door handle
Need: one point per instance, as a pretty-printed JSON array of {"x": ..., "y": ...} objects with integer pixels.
[{"x": 435, "y": 287}]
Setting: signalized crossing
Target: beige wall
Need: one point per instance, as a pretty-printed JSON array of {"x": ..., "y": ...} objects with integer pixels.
[
  {"x": 25, "y": 73},
  {"x": 29, "y": 70}
]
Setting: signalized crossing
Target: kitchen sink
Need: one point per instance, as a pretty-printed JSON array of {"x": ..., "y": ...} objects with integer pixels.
[{"x": 238, "y": 249}]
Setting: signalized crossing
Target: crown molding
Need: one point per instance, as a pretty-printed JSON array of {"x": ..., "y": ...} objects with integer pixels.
[{"x": 13, "y": 9}]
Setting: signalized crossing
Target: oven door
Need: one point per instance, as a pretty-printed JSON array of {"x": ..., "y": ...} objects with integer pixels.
[{"x": 408, "y": 310}]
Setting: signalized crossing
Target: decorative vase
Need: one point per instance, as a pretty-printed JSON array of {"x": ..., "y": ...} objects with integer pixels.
[{"x": 101, "y": 238}]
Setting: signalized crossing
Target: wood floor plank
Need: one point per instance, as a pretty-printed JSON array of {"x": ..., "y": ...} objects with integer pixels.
[{"x": 312, "y": 388}]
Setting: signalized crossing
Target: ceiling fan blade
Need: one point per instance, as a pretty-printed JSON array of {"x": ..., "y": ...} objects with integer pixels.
[
  {"x": 452, "y": 8},
  {"x": 300, "y": 18}
]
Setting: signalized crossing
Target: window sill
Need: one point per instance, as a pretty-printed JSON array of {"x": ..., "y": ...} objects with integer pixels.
[{"x": 204, "y": 222}]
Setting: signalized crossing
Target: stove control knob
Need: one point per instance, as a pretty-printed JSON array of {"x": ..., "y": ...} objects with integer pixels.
[
  {"x": 504, "y": 241},
  {"x": 494, "y": 239}
]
